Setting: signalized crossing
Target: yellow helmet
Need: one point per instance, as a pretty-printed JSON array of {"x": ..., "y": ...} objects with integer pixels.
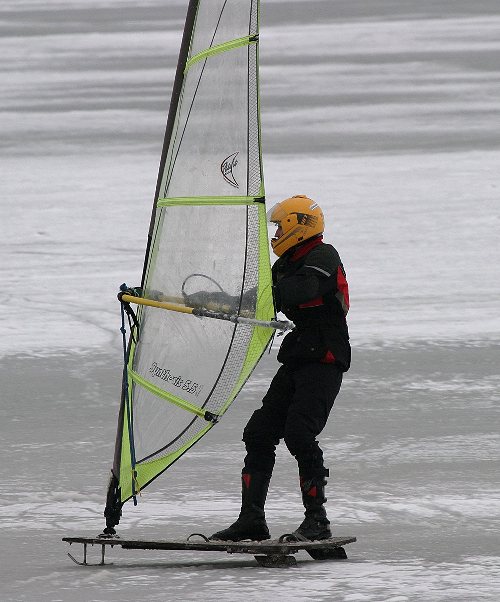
[{"x": 300, "y": 218}]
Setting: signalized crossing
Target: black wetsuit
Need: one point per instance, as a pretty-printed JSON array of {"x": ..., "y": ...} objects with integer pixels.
[{"x": 311, "y": 289}]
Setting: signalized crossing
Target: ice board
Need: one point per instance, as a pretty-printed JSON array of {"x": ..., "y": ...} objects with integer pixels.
[{"x": 273, "y": 552}]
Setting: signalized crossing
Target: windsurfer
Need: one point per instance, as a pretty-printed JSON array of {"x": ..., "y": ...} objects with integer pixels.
[{"x": 310, "y": 288}]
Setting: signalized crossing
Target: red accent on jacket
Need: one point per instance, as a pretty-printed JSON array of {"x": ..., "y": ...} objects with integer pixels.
[
  {"x": 313, "y": 303},
  {"x": 305, "y": 247}
]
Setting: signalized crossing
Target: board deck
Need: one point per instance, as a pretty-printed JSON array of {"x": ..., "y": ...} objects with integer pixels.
[{"x": 277, "y": 552}]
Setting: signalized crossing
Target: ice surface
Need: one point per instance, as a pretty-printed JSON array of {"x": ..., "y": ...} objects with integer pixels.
[
  {"x": 414, "y": 475},
  {"x": 386, "y": 113}
]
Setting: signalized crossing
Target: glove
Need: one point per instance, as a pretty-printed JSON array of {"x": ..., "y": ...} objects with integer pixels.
[{"x": 211, "y": 300}]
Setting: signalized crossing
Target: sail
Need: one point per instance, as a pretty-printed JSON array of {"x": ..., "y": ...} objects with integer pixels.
[{"x": 208, "y": 247}]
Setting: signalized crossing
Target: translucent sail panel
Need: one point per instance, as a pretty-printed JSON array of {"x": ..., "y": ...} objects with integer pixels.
[
  {"x": 219, "y": 100},
  {"x": 163, "y": 431},
  {"x": 219, "y": 21},
  {"x": 211, "y": 256},
  {"x": 160, "y": 426},
  {"x": 209, "y": 247}
]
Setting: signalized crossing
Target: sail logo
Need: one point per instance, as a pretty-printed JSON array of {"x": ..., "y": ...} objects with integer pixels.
[
  {"x": 226, "y": 168},
  {"x": 184, "y": 384}
]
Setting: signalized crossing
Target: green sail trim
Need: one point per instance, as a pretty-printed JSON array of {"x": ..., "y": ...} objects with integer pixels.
[
  {"x": 224, "y": 47},
  {"x": 264, "y": 311},
  {"x": 147, "y": 471},
  {"x": 178, "y": 401},
  {"x": 209, "y": 200}
]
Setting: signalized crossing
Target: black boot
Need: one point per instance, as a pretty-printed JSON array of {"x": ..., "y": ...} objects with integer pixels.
[
  {"x": 251, "y": 523},
  {"x": 316, "y": 524}
]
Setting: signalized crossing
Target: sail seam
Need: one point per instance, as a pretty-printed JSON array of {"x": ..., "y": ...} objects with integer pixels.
[{"x": 220, "y": 48}]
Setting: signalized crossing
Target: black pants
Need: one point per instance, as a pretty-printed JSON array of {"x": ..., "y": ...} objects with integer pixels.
[{"x": 295, "y": 408}]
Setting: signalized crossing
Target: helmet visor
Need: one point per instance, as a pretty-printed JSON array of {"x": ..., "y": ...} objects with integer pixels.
[{"x": 276, "y": 214}]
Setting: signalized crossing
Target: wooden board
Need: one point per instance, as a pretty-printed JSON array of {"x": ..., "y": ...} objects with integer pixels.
[{"x": 277, "y": 552}]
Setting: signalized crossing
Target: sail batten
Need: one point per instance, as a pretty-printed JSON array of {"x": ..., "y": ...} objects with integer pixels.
[
  {"x": 169, "y": 397},
  {"x": 224, "y": 47},
  {"x": 207, "y": 254},
  {"x": 210, "y": 200}
]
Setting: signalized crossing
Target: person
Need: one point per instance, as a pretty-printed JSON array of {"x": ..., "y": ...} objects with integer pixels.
[{"x": 310, "y": 288}]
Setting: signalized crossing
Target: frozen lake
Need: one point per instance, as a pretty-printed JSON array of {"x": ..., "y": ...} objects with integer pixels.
[{"x": 384, "y": 112}]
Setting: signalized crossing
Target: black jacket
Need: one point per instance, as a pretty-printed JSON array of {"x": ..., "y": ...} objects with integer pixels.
[{"x": 311, "y": 289}]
